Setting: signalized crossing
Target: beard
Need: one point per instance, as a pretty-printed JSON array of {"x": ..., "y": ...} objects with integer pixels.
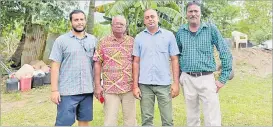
[{"x": 77, "y": 30}]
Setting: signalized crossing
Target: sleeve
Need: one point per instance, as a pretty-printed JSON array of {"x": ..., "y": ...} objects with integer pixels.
[
  {"x": 178, "y": 41},
  {"x": 98, "y": 55},
  {"x": 224, "y": 54},
  {"x": 96, "y": 45},
  {"x": 56, "y": 51},
  {"x": 179, "y": 45},
  {"x": 136, "y": 47},
  {"x": 173, "y": 48}
]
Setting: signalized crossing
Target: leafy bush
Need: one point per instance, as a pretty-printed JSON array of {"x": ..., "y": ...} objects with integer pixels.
[{"x": 100, "y": 30}]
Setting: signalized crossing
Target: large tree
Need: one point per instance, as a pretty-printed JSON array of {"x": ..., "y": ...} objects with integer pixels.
[
  {"x": 223, "y": 13},
  {"x": 256, "y": 20},
  {"x": 46, "y": 13}
]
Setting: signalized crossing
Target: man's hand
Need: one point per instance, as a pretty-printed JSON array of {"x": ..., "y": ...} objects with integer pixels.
[
  {"x": 55, "y": 97},
  {"x": 219, "y": 85},
  {"x": 98, "y": 91},
  {"x": 137, "y": 93},
  {"x": 175, "y": 90}
]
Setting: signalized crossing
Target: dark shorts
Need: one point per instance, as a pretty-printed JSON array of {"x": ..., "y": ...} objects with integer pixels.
[{"x": 79, "y": 106}]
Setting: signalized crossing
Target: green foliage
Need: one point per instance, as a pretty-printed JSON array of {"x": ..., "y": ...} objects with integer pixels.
[
  {"x": 169, "y": 13},
  {"x": 45, "y": 12},
  {"x": 10, "y": 12},
  {"x": 60, "y": 26},
  {"x": 100, "y": 30},
  {"x": 223, "y": 14},
  {"x": 257, "y": 20},
  {"x": 10, "y": 39},
  {"x": 251, "y": 17},
  {"x": 17, "y": 15}
]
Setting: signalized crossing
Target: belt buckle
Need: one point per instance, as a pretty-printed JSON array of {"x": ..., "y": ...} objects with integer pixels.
[{"x": 196, "y": 73}]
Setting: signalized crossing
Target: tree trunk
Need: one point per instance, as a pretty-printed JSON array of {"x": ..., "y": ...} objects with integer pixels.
[
  {"x": 90, "y": 17},
  {"x": 16, "y": 57},
  {"x": 34, "y": 44}
]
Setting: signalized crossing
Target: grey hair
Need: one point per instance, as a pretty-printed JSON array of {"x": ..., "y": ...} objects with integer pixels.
[
  {"x": 120, "y": 17},
  {"x": 193, "y": 3}
]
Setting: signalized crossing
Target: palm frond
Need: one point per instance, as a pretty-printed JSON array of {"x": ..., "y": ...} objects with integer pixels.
[
  {"x": 173, "y": 5},
  {"x": 165, "y": 24},
  {"x": 119, "y": 7},
  {"x": 171, "y": 13},
  {"x": 105, "y": 22}
]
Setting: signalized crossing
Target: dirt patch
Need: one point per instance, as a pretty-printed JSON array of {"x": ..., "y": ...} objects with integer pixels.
[
  {"x": 15, "y": 100},
  {"x": 8, "y": 106},
  {"x": 254, "y": 61}
]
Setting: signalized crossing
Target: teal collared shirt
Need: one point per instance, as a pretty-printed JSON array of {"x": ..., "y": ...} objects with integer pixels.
[
  {"x": 154, "y": 51},
  {"x": 196, "y": 50}
]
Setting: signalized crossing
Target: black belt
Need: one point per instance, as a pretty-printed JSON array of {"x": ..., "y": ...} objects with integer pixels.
[{"x": 197, "y": 74}]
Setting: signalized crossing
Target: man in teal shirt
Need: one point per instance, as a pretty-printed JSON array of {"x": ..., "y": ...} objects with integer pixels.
[{"x": 196, "y": 41}]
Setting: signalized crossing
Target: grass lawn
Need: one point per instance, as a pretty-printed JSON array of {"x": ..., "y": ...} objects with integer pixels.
[{"x": 245, "y": 101}]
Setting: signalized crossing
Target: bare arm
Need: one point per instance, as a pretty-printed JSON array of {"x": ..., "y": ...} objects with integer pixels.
[
  {"x": 175, "y": 68},
  {"x": 97, "y": 67},
  {"x": 55, "y": 95},
  {"x": 135, "y": 71},
  {"x": 55, "y": 67},
  {"x": 98, "y": 88},
  {"x": 136, "y": 90}
]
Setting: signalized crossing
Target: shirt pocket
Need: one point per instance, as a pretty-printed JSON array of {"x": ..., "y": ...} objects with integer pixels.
[
  {"x": 162, "y": 46},
  {"x": 90, "y": 53},
  {"x": 89, "y": 50}
]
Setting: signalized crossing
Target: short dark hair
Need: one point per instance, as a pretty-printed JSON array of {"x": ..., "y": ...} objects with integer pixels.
[
  {"x": 75, "y": 12},
  {"x": 193, "y": 3}
]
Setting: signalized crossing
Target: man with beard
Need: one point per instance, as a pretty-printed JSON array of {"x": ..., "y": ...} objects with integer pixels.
[
  {"x": 72, "y": 73},
  {"x": 196, "y": 41},
  {"x": 113, "y": 58},
  {"x": 153, "y": 49}
]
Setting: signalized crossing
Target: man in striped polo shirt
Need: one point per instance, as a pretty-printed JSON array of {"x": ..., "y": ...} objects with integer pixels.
[{"x": 196, "y": 41}]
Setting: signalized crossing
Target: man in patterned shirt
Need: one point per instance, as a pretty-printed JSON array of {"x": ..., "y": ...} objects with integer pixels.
[
  {"x": 113, "y": 58},
  {"x": 196, "y": 41},
  {"x": 71, "y": 73}
]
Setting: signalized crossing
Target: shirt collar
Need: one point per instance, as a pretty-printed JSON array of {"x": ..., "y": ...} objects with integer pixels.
[
  {"x": 202, "y": 25},
  {"x": 159, "y": 30},
  {"x": 72, "y": 35},
  {"x": 113, "y": 38}
]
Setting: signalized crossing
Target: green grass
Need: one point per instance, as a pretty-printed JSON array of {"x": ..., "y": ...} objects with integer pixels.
[{"x": 245, "y": 101}]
